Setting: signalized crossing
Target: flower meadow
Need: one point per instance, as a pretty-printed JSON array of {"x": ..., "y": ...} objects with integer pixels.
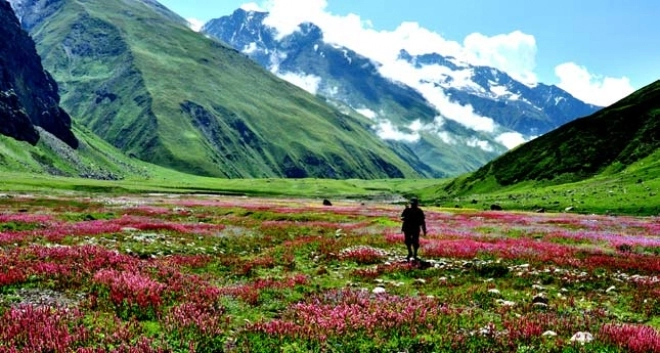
[{"x": 199, "y": 273}]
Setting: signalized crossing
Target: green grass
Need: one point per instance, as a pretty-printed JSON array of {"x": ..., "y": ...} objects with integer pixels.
[
  {"x": 633, "y": 190},
  {"x": 166, "y": 181}
]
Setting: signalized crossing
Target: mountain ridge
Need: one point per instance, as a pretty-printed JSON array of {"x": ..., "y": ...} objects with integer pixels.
[
  {"x": 340, "y": 74},
  {"x": 388, "y": 104},
  {"x": 223, "y": 115}
]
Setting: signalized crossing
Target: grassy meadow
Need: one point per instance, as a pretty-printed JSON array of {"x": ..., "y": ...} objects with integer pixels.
[{"x": 121, "y": 266}]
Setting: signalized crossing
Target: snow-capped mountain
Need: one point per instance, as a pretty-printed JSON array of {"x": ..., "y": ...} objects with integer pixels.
[
  {"x": 530, "y": 110},
  {"x": 454, "y": 115}
]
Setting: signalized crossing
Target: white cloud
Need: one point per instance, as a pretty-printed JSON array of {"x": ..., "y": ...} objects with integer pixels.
[
  {"x": 513, "y": 53},
  {"x": 309, "y": 83},
  {"x": 287, "y": 15},
  {"x": 594, "y": 89},
  {"x": 195, "y": 24},
  {"x": 252, "y": 6},
  {"x": 511, "y": 139},
  {"x": 484, "y": 145},
  {"x": 464, "y": 114},
  {"x": 387, "y": 131},
  {"x": 367, "y": 112},
  {"x": 417, "y": 126}
]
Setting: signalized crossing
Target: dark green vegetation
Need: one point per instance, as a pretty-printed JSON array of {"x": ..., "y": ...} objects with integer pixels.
[{"x": 134, "y": 74}]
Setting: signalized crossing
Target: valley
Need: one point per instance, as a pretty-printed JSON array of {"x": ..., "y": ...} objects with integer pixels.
[{"x": 240, "y": 190}]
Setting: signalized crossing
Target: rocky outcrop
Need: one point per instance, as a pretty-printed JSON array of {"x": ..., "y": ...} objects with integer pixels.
[{"x": 28, "y": 94}]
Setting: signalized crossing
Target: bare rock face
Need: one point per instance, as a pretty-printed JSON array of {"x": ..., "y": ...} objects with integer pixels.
[{"x": 28, "y": 94}]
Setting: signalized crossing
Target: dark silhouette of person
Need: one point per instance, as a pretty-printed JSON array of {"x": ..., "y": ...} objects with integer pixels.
[{"x": 414, "y": 222}]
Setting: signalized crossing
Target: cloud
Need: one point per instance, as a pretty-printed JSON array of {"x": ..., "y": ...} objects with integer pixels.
[
  {"x": 513, "y": 53},
  {"x": 484, "y": 145},
  {"x": 367, "y": 112},
  {"x": 252, "y": 6},
  {"x": 309, "y": 83},
  {"x": 387, "y": 131},
  {"x": 195, "y": 24},
  {"x": 413, "y": 133},
  {"x": 594, "y": 89},
  {"x": 511, "y": 139},
  {"x": 447, "y": 137}
]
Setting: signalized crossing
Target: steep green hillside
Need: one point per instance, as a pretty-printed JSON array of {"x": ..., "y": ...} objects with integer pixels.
[
  {"x": 93, "y": 159},
  {"x": 604, "y": 143},
  {"x": 146, "y": 83}
]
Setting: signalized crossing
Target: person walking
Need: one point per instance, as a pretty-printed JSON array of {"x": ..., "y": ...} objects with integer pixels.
[{"x": 414, "y": 223}]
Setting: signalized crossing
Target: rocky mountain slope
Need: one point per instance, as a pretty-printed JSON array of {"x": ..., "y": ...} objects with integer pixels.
[
  {"x": 28, "y": 94},
  {"x": 190, "y": 103}
]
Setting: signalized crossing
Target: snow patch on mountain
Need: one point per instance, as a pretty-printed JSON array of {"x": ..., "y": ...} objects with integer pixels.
[
  {"x": 250, "y": 48},
  {"x": 500, "y": 91},
  {"x": 348, "y": 58}
]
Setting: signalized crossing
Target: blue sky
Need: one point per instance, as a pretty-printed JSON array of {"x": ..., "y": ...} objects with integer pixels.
[{"x": 598, "y": 50}]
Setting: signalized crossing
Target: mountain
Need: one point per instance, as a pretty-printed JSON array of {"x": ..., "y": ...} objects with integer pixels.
[
  {"x": 29, "y": 100},
  {"x": 529, "y": 110},
  {"x": 606, "y": 142},
  {"x": 135, "y": 74},
  {"x": 407, "y": 111}
]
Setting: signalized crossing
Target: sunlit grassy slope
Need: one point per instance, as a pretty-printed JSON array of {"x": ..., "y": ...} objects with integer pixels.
[
  {"x": 635, "y": 191},
  {"x": 165, "y": 94}
]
